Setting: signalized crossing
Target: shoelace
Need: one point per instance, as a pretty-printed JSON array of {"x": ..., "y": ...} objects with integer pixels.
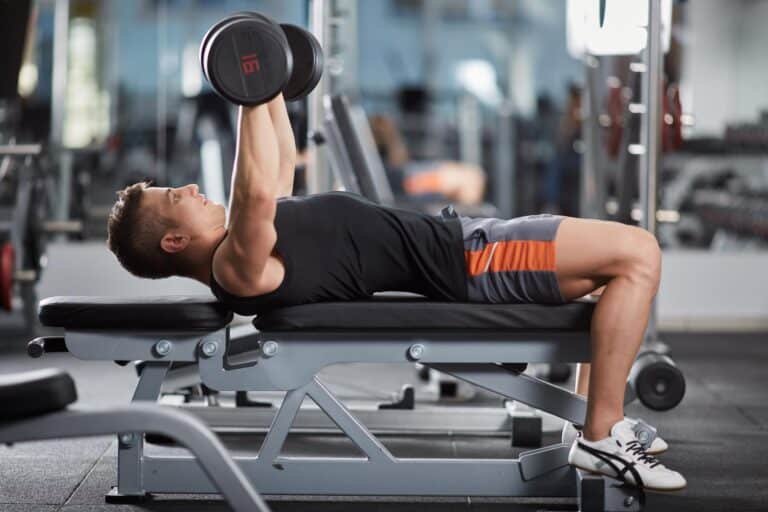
[{"x": 635, "y": 448}]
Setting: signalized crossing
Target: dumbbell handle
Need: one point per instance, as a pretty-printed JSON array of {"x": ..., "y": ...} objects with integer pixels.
[
  {"x": 63, "y": 226},
  {"x": 20, "y": 149},
  {"x": 46, "y": 344},
  {"x": 51, "y": 226},
  {"x": 25, "y": 276}
]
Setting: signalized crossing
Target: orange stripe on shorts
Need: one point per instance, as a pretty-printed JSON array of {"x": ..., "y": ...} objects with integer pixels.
[{"x": 511, "y": 256}]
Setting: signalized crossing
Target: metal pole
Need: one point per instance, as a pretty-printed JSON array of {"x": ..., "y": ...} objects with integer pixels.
[
  {"x": 470, "y": 130},
  {"x": 651, "y": 122},
  {"x": 430, "y": 21},
  {"x": 650, "y": 137},
  {"x": 110, "y": 60},
  {"x": 162, "y": 93},
  {"x": 351, "y": 47},
  {"x": 318, "y": 175},
  {"x": 505, "y": 175},
  {"x": 592, "y": 184},
  {"x": 59, "y": 108},
  {"x": 59, "y": 73}
]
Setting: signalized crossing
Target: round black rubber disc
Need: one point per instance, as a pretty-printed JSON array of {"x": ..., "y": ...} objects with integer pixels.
[
  {"x": 211, "y": 31},
  {"x": 247, "y": 61},
  {"x": 307, "y": 62},
  {"x": 207, "y": 37}
]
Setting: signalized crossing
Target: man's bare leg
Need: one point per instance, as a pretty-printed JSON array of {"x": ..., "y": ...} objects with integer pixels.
[
  {"x": 627, "y": 260},
  {"x": 582, "y": 369},
  {"x": 582, "y": 379}
]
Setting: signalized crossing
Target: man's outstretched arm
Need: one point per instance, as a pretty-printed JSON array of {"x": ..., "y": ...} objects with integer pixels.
[
  {"x": 243, "y": 255},
  {"x": 286, "y": 145}
]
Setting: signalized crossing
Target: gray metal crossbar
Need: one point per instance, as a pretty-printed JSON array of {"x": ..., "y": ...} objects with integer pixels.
[{"x": 211, "y": 459}]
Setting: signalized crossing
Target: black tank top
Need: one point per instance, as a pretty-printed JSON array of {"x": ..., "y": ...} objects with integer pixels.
[{"x": 339, "y": 246}]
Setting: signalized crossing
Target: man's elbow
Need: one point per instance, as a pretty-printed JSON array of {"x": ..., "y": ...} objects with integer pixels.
[{"x": 263, "y": 193}]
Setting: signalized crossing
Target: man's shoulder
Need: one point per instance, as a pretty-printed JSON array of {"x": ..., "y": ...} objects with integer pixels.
[{"x": 231, "y": 276}]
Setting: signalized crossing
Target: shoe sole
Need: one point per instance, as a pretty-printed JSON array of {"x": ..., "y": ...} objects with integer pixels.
[
  {"x": 657, "y": 452},
  {"x": 644, "y": 488}
]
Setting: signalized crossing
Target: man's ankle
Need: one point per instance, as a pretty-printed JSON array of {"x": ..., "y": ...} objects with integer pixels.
[
  {"x": 596, "y": 432},
  {"x": 593, "y": 435}
]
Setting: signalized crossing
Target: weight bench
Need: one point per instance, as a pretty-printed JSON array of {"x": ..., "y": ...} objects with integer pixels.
[
  {"x": 34, "y": 407},
  {"x": 486, "y": 345}
]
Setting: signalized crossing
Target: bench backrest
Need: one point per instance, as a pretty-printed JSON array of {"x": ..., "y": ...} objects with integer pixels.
[{"x": 366, "y": 164}]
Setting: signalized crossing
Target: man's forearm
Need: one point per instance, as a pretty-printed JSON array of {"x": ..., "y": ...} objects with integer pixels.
[
  {"x": 257, "y": 159},
  {"x": 286, "y": 144}
]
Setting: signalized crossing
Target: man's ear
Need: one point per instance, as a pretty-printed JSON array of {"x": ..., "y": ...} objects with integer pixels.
[{"x": 174, "y": 242}]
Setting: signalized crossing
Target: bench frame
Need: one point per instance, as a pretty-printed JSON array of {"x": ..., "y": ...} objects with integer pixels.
[
  {"x": 222, "y": 472},
  {"x": 290, "y": 362}
]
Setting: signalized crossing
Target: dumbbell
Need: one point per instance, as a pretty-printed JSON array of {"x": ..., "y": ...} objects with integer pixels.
[
  {"x": 657, "y": 381},
  {"x": 10, "y": 275},
  {"x": 249, "y": 59}
]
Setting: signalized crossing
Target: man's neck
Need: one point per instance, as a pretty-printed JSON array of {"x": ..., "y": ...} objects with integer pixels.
[{"x": 201, "y": 271}]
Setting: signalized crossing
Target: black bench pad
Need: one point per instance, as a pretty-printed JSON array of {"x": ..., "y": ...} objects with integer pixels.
[
  {"x": 381, "y": 313},
  {"x": 417, "y": 314},
  {"x": 196, "y": 313},
  {"x": 27, "y": 394}
]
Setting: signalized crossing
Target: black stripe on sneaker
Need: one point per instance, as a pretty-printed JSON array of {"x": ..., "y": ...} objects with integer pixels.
[{"x": 606, "y": 457}]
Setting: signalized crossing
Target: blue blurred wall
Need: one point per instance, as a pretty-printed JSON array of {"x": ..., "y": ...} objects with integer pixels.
[
  {"x": 536, "y": 33},
  {"x": 390, "y": 47}
]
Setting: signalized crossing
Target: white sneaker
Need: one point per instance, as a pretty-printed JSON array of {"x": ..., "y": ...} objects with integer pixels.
[
  {"x": 622, "y": 457},
  {"x": 571, "y": 433},
  {"x": 658, "y": 445}
]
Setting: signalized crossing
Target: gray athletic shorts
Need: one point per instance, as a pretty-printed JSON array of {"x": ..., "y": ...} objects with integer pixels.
[{"x": 512, "y": 261}]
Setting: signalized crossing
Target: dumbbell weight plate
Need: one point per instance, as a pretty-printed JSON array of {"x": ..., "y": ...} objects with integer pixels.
[
  {"x": 247, "y": 61},
  {"x": 238, "y": 15},
  {"x": 657, "y": 381},
  {"x": 307, "y": 62},
  {"x": 238, "y": 37},
  {"x": 35, "y": 240},
  {"x": 527, "y": 431},
  {"x": 209, "y": 34},
  {"x": 7, "y": 265}
]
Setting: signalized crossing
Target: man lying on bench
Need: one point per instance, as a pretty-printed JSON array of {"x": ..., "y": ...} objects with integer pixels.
[{"x": 270, "y": 250}]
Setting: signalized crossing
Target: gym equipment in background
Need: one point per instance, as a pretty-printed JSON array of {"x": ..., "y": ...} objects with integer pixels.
[{"x": 36, "y": 407}]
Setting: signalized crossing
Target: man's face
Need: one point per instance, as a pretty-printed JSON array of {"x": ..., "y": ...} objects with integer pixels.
[{"x": 186, "y": 207}]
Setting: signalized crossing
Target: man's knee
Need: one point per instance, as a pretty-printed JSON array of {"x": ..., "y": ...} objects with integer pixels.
[{"x": 642, "y": 257}]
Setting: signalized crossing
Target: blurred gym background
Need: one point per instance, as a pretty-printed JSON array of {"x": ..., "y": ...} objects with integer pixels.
[{"x": 510, "y": 103}]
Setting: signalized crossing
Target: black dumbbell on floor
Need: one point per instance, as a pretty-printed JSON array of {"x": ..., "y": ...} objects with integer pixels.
[
  {"x": 657, "y": 381},
  {"x": 249, "y": 59}
]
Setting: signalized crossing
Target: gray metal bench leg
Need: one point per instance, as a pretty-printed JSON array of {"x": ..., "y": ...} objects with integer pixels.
[
  {"x": 190, "y": 432},
  {"x": 336, "y": 411},
  {"x": 130, "y": 447},
  {"x": 281, "y": 424},
  {"x": 603, "y": 494},
  {"x": 520, "y": 387},
  {"x": 349, "y": 424}
]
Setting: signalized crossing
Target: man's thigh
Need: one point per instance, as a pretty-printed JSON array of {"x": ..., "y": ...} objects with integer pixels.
[
  {"x": 512, "y": 260},
  {"x": 588, "y": 253}
]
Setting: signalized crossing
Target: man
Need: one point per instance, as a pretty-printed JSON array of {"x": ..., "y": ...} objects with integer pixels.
[
  {"x": 459, "y": 182},
  {"x": 269, "y": 252}
]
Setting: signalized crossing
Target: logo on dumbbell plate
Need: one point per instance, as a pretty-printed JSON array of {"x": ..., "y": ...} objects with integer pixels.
[{"x": 250, "y": 63}]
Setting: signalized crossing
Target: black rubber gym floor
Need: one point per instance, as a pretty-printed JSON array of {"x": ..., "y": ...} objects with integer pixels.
[{"x": 718, "y": 439}]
